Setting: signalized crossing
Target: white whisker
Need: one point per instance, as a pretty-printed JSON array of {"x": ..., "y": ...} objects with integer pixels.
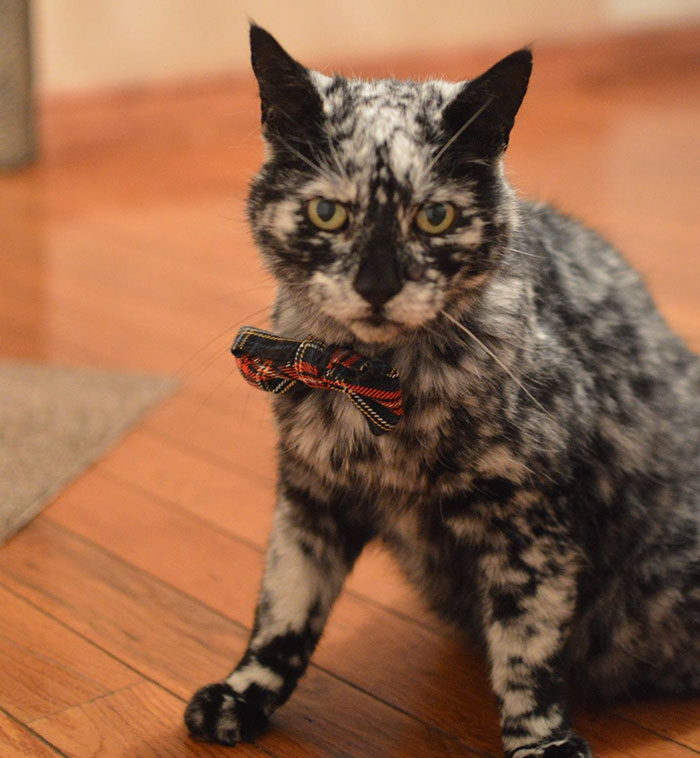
[
  {"x": 458, "y": 134},
  {"x": 315, "y": 166},
  {"x": 522, "y": 252},
  {"x": 185, "y": 373},
  {"x": 335, "y": 156},
  {"x": 490, "y": 352}
]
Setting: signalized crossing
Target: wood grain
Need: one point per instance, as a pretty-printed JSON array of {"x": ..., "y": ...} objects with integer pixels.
[
  {"x": 139, "y": 722},
  {"x": 179, "y": 643},
  {"x": 44, "y": 667},
  {"x": 16, "y": 741}
]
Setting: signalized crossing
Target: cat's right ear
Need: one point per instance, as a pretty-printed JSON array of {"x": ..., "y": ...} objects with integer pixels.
[{"x": 289, "y": 101}]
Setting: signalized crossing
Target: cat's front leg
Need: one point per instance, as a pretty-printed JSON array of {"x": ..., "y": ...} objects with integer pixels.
[
  {"x": 527, "y": 572},
  {"x": 309, "y": 555}
]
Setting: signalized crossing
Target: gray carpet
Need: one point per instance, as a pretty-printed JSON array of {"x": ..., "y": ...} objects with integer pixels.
[{"x": 54, "y": 422}]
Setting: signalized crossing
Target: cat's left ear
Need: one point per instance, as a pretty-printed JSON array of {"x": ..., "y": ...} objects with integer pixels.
[
  {"x": 289, "y": 101},
  {"x": 482, "y": 114}
]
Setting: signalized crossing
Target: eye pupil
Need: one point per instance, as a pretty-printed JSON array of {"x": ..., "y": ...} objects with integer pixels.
[
  {"x": 325, "y": 209},
  {"x": 327, "y": 215},
  {"x": 436, "y": 213},
  {"x": 435, "y": 218}
]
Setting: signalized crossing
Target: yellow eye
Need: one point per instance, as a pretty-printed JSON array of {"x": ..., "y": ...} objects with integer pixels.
[
  {"x": 435, "y": 218},
  {"x": 327, "y": 214}
]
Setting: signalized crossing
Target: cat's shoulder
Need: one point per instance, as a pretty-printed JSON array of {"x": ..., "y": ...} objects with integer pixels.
[{"x": 572, "y": 262}]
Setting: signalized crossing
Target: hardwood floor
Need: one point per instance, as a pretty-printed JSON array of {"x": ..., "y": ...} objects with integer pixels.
[{"x": 125, "y": 247}]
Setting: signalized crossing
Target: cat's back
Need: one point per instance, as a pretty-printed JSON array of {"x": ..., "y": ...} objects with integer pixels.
[
  {"x": 595, "y": 301},
  {"x": 599, "y": 329},
  {"x": 578, "y": 274}
]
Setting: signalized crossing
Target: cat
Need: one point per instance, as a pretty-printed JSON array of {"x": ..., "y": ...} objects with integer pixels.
[{"x": 542, "y": 489}]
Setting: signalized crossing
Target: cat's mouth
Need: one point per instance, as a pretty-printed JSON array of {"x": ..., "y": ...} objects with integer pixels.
[
  {"x": 376, "y": 328},
  {"x": 377, "y": 319}
]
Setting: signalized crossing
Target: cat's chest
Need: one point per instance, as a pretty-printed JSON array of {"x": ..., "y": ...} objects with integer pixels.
[
  {"x": 330, "y": 435},
  {"x": 424, "y": 454},
  {"x": 451, "y": 431}
]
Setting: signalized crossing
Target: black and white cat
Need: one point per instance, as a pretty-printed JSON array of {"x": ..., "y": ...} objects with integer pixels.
[{"x": 543, "y": 487}]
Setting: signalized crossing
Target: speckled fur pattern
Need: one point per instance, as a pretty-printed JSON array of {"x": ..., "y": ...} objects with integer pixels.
[{"x": 543, "y": 488}]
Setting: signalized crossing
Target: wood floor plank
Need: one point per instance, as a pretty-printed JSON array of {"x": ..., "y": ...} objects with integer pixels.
[
  {"x": 138, "y": 292},
  {"x": 128, "y": 317},
  {"x": 120, "y": 610},
  {"x": 615, "y": 738},
  {"x": 677, "y": 718},
  {"x": 16, "y": 741},
  {"x": 142, "y": 721},
  {"x": 146, "y": 719},
  {"x": 449, "y": 684},
  {"x": 180, "y": 644},
  {"x": 45, "y": 667},
  {"x": 193, "y": 481},
  {"x": 200, "y": 425}
]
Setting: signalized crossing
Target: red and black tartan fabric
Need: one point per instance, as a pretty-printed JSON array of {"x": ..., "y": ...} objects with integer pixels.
[{"x": 276, "y": 365}]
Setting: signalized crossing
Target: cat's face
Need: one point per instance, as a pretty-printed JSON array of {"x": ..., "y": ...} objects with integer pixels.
[{"x": 376, "y": 205}]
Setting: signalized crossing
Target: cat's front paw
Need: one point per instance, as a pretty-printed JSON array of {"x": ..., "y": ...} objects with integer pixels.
[
  {"x": 217, "y": 713},
  {"x": 569, "y": 747}
]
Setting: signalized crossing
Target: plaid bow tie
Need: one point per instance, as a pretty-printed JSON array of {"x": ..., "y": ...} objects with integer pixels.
[{"x": 276, "y": 365}]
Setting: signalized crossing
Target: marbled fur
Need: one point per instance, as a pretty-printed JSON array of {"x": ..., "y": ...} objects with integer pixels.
[{"x": 543, "y": 487}]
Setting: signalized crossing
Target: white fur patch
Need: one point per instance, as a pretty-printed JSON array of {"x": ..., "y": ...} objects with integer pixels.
[
  {"x": 293, "y": 582},
  {"x": 255, "y": 673},
  {"x": 499, "y": 461}
]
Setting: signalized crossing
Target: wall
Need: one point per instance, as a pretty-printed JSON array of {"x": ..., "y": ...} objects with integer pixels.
[{"x": 86, "y": 44}]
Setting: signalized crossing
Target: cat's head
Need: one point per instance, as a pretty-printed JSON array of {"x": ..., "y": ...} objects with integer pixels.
[{"x": 381, "y": 203}]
